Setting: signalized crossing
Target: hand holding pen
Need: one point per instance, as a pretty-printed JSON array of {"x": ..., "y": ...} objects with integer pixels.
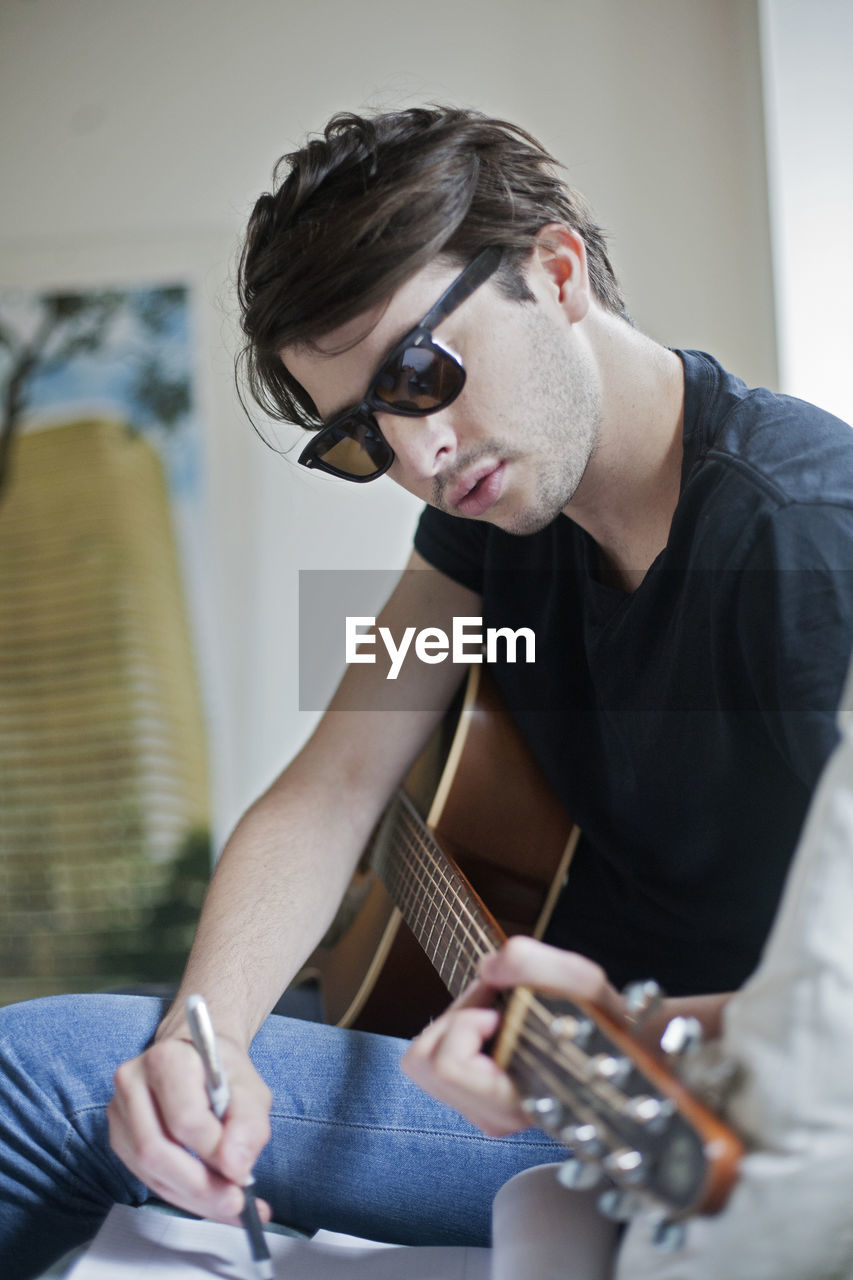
[{"x": 201, "y": 1030}]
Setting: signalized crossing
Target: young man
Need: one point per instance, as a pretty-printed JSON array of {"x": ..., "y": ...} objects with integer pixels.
[{"x": 424, "y": 293}]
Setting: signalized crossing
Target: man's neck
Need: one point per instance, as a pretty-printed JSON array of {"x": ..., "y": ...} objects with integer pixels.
[{"x": 629, "y": 492}]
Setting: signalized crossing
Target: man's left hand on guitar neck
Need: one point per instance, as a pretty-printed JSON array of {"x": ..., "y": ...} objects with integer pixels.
[{"x": 448, "y": 1059}]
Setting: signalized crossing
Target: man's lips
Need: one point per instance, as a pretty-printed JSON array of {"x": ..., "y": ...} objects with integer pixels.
[{"x": 479, "y": 490}]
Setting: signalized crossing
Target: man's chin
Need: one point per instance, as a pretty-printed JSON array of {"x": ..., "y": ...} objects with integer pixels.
[{"x": 522, "y": 524}]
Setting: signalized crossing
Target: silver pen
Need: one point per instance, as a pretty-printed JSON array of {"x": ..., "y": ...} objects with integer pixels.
[{"x": 216, "y": 1082}]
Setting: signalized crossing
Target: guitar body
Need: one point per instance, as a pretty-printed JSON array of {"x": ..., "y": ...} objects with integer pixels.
[{"x": 483, "y": 798}]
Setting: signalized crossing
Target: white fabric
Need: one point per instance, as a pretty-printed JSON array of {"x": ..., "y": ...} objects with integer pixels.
[{"x": 541, "y": 1231}]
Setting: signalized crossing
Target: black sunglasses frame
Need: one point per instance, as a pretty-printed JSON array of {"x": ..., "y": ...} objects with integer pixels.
[{"x": 474, "y": 274}]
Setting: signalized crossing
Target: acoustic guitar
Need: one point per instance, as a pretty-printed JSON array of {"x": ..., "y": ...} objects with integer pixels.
[{"x": 476, "y": 821}]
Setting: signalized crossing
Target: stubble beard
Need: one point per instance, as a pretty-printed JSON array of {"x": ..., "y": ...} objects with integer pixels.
[
  {"x": 562, "y": 420},
  {"x": 560, "y": 425}
]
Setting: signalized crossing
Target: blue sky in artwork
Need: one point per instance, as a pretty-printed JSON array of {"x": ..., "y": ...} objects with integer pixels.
[{"x": 105, "y": 378}]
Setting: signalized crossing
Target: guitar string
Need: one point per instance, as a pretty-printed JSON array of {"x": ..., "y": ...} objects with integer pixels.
[
  {"x": 419, "y": 877},
  {"x": 455, "y": 926},
  {"x": 408, "y": 889},
  {"x": 441, "y": 869},
  {"x": 441, "y": 875},
  {"x": 535, "y": 1051},
  {"x": 413, "y": 875},
  {"x": 537, "y": 1041},
  {"x": 427, "y": 908},
  {"x": 579, "y": 1096},
  {"x": 590, "y": 1105},
  {"x": 411, "y": 898},
  {"x": 481, "y": 937}
]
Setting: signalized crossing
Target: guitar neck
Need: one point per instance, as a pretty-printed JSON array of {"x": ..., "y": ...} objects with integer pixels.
[{"x": 448, "y": 918}]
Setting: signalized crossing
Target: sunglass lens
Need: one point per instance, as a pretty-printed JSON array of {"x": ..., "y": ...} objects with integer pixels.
[
  {"x": 354, "y": 450},
  {"x": 419, "y": 380}
]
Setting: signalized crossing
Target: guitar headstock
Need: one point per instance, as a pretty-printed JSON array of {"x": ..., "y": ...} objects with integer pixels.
[{"x": 624, "y": 1116}]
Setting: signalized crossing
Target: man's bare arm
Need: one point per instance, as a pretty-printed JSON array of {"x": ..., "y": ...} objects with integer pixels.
[{"x": 274, "y": 893}]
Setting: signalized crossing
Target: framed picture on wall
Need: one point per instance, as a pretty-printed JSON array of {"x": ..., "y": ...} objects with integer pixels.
[{"x": 104, "y": 792}]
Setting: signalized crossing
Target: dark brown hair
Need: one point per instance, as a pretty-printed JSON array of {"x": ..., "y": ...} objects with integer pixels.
[{"x": 359, "y": 210}]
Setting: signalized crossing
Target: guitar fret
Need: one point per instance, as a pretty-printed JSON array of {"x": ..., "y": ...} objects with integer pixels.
[
  {"x": 452, "y": 882},
  {"x": 455, "y": 949},
  {"x": 432, "y": 897},
  {"x": 443, "y": 882}
]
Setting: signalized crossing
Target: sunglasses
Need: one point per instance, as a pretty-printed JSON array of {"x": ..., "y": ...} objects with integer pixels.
[{"x": 419, "y": 376}]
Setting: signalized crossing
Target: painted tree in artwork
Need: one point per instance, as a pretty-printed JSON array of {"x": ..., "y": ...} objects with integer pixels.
[
  {"x": 104, "y": 792},
  {"x": 47, "y": 333}
]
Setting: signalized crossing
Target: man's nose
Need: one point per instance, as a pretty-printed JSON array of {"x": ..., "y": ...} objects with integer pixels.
[{"x": 423, "y": 447}]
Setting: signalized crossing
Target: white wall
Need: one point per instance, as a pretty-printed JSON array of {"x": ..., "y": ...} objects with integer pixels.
[
  {"x": 808, "y": 55},
  {"x": 135, "y": 135}
]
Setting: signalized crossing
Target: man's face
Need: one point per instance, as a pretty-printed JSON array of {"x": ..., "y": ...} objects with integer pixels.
[{"x": 513, "y": 447}]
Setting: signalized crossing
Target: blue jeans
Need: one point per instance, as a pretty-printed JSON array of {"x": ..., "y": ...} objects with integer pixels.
[{"x": 355, "y": 1146}]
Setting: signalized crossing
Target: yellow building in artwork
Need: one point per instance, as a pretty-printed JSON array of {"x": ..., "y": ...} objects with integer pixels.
[{"x": 103, "y": 778}]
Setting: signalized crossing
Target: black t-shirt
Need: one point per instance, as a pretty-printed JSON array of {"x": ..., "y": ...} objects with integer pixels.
[{"x": 684, "y": 725}]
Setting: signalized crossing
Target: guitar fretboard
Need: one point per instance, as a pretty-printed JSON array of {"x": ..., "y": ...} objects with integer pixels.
[{"x": 434, "y": 898}]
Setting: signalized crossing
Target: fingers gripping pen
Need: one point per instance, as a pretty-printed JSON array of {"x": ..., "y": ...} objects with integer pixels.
[{"x": 201, "y": 1030}]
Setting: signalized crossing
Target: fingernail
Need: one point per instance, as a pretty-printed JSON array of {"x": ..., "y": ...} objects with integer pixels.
[
  {"x": 239, "y": 1160},
  {"x": 234, "y": 1202}
]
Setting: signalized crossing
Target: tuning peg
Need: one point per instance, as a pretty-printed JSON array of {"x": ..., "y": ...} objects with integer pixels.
[
  {"x": 625, "y": 1166},
  {"x": 577, "y": 1175},
  {"x": 544, "y": 1112},
  {"x": 651, "y": 1113},
  {"x": 607, "y": 1066},
  {"x": 584, "y": 1139},
  {"x": 669, "y": 1236},
  {"x": 641, "y": 999},
  {"x": 681, "y": 1036},
  {"x": 620, "y": 1206},
  {"x": 567, "y": 1027}
]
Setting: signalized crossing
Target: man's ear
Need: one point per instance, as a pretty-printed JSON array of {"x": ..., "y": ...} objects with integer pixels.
[{"x": 559, "y": 254}]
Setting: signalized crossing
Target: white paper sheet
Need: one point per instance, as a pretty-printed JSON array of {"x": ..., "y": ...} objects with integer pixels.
[{"x": 135, "y": 1244}]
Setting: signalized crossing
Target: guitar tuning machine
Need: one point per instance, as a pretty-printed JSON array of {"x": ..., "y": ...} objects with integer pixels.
[
  {"x": 681, "y": 1036},
  {"x": 641, "y": 1000},
  {"x": 606, "y": 1066},
  {"x": 544, "y": 1112},
  {"x": 567, "y": 1027},
  {"x": 578, "y": 1176},
  {"x": 619, "y": 1206},
  {"x": 585, "y": 1140},
  {"x": 649, "y": 1112},
  {"x": 626, "y": 1166}
]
